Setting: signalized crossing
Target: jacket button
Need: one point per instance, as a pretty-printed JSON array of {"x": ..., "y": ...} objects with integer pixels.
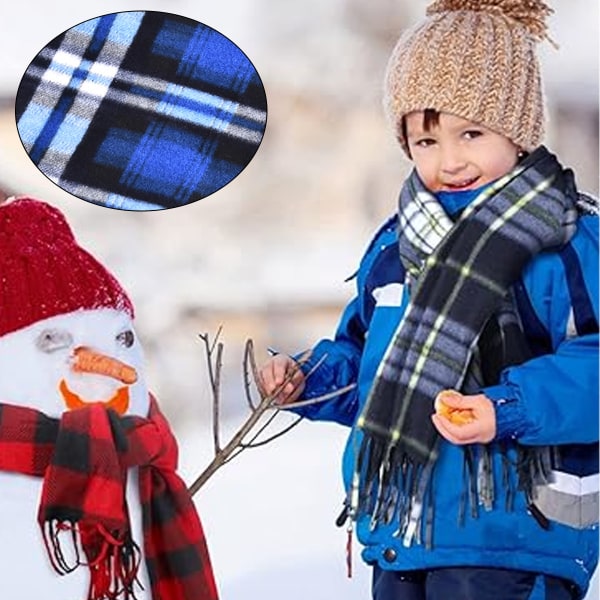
[{"x": 389, "y": 554}]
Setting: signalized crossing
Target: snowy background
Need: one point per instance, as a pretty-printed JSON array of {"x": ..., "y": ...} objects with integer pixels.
[{"x": 267, "y": 255}]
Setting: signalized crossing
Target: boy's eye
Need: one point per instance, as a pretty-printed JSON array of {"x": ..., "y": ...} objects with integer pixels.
[
  {"x": 50, "y": 340},
  {"x": 472, "y": 134},
  {"x": 126, "y": 338},
  {"x": 424, "y": 142}
]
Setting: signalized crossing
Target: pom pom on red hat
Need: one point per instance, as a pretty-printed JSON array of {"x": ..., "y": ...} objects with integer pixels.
[{"x": 43, "y": 270}]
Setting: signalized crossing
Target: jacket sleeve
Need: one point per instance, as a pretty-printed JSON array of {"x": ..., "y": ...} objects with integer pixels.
[
  {"x": 334, "y": 365},
  {"x": 553, "y": 398}
]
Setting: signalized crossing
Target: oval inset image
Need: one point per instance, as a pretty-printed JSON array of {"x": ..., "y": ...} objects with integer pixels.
[{"x": 141, "y": 110}]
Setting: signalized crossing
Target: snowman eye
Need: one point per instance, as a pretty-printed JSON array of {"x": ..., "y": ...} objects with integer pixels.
[
  {"x": 126, "y": 338},
  {"x": 51, "y": 340}
]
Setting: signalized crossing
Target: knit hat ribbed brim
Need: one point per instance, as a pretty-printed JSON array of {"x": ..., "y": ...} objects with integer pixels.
[{"x": 475, "y": 59}]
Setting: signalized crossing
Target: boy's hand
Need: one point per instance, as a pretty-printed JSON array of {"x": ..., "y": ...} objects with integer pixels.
[
  {"x": 275, "y": 371},
  {"x": 465, "y": 419}
]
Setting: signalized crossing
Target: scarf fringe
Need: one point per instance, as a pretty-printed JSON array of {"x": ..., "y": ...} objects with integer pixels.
[
  {"x": 393, "y": 489},
  {"x": 113, "y": 561},
  {"x": 396, "y": 489},
  {"x": 534, "y": 466}
]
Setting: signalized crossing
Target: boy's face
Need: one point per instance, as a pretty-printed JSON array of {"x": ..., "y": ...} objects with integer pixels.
[{"x": 457, "y": 154}]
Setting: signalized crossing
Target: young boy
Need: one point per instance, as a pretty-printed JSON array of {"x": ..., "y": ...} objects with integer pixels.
[{"x": 472, "y": 464}]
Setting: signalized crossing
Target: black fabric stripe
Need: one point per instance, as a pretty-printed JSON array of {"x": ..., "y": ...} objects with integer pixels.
[
  {"x": 583, "y": 310},
  {"x": 579, "y": 459},
  {"x": 356, "y": 329},
  {"x": 73, "y": 451},
  {"x": 538, "y": 336}
]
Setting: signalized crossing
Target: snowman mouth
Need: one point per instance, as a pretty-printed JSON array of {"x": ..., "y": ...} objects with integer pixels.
[
  {"x": 119, "y": 402},
  {"x": 87, "y": 361}
]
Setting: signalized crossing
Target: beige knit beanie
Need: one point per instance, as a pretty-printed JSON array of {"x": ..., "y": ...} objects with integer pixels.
[{"x": 475, "y": 59}]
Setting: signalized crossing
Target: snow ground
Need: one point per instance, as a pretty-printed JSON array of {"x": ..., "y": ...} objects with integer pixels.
[{"x": 269, "y": 517}]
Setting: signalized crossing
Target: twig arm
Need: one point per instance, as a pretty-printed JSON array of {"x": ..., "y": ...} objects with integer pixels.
[
  {"x": 223, "y": 455},
  {"x": 214, "y": 376}
]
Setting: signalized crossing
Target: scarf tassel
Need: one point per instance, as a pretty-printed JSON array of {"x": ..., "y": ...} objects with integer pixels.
[
  {"x": 533, "y": 467},
  {"x": 399, "y": 491},
  {"x": 113, "y": 561}
]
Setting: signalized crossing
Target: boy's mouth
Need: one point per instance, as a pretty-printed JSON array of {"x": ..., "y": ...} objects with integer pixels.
[{"x": 463, "y": 184}]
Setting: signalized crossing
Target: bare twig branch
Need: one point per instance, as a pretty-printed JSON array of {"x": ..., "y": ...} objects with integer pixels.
[
  {"x": 214, "y": 376},
  {"x": 249, "y": 359},
  {"x": 322, "y": 398},
  {"x": 217, "y": 336},
  {"x": 250, "y": 428},
  {"x": 217, "y": 396},
  {"x": 275, "y": 435}
]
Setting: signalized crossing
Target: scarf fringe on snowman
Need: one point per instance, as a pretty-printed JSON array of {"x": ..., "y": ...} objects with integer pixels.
[{"x": 113, "y": 567}]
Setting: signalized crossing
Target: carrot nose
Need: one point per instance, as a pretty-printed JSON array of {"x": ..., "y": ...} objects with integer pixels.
[{"x": 88, "y": 361}]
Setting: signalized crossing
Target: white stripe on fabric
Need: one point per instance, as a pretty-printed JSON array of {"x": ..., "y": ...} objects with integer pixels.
[
  {"x": 125, "y": 203},
  {"x": 520, "y": 204},
  {"x": 188, "y": 116},
  {"x": 424, "y": 222},
  {"x": 111, "y": 53},
  {"x": 53, "y": 76},
  {"x": 96, "y": 77},
  {"x": 201, "y": 98},
  {"x": 388, "y": 295},
  {"x": 571, "y": 330},
  {"x": 91, "y": 88},
  {"x": 103, "y": 70},
  {"x": 573, "y": 485},
  {"x": 249, "y": 135},
  {"x": 67, "y": 59},
  {"x": 491, "y": 190},
  {"x": 101, "y": 76}
]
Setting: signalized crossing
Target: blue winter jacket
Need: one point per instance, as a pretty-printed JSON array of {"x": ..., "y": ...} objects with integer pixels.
[{"x": 550, "y": 400}]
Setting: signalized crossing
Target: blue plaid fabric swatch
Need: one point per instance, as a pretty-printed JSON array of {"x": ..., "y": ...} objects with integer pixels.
[{"x": 141, "y": 110}]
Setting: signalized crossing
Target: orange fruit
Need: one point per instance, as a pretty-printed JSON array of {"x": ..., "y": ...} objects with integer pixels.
[{"x": 458, "y": 416}]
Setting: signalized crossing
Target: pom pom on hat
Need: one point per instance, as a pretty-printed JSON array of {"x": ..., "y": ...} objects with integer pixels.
[
  {"x": 44, "y": 272},
  {"x": 529, "y": 13},
  {"x": 475, "y": 59}
]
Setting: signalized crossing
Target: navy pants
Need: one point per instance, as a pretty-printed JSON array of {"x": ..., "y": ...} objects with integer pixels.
[{"x": 468, "y": 583}]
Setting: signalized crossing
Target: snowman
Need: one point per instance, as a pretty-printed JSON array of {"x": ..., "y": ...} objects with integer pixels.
[{"x": 91, "y": 507}]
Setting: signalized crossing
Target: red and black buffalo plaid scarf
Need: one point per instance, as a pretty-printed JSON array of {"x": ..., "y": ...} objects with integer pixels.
[{"x": 83, "y": 458}]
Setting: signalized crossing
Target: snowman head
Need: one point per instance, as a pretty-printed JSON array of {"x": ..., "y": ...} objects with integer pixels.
[{"x": 66, "y": 324}]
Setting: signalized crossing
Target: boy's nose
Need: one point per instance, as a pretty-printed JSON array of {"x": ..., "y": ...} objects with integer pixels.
[{"x": 452, "y": 161}]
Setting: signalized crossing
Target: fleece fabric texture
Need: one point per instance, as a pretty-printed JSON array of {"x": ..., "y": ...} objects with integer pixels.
[{"x": 141, "y": 110}]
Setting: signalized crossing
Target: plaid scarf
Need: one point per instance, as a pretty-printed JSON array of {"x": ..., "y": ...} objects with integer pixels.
[
  {"x": 141, "y": 110},
  {"x": 83, "y": 459},
  {"x": 461, "y": 274}
]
